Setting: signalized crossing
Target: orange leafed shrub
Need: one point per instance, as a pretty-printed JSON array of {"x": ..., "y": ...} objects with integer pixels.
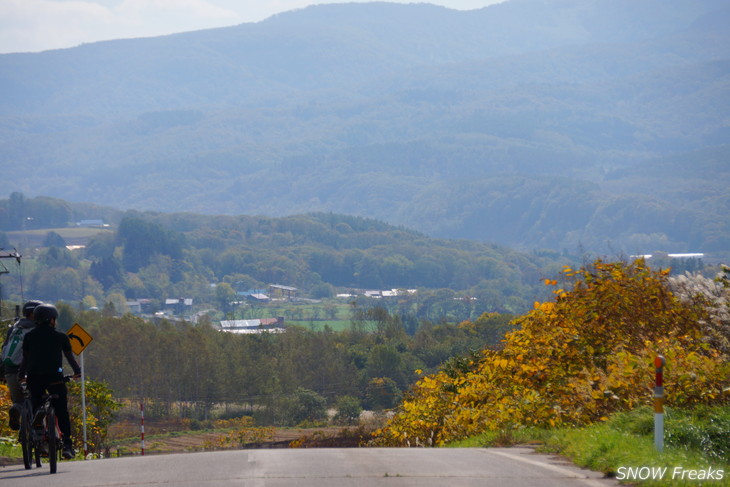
[
  {"x": 572, "y": 361},
  {"x": 5, "y": 404}
]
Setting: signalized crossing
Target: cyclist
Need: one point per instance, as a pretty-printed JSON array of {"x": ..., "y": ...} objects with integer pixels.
[
  {"x": 43, "y": 350},
  {"x": 12, "y": 360}
]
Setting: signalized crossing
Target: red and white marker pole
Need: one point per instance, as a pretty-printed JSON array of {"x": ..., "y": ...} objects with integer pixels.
[
  {"x": 659, "y": 363},
  {"x": 141, "y": 411}
]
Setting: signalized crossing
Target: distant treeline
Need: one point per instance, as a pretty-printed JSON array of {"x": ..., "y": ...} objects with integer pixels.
[{"x": 374, "y": 361}]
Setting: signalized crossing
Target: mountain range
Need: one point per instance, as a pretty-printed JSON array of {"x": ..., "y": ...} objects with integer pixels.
[{"x": 557, "y": 124}]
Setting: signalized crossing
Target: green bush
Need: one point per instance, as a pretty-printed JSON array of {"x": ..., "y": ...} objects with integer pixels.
[
  {"x": 304, "y": 406},
  {"x": 348, "y": 410}
]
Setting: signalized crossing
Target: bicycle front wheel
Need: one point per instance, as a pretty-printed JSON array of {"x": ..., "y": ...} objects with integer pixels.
[{"x": 52, "y": 434}]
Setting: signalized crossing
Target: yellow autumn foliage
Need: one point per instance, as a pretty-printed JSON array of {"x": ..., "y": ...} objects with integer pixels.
[{"x": 572, "y": 362}]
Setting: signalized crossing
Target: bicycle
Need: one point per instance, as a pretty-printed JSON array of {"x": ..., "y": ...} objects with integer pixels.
[{"x": 39, "y": 434}]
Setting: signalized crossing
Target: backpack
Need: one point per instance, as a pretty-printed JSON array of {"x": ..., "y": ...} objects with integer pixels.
[{"x": 12, "y": 354}]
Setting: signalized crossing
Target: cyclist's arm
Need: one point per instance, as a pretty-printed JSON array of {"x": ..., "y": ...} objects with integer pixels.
[
  {"x": 72, "y": 362},
  {"x": 66, "y": 349}
]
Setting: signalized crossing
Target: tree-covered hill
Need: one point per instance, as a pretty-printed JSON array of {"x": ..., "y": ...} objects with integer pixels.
[
  {"x": 158, "y": 256},
  {"x": 531, "y": 124}
]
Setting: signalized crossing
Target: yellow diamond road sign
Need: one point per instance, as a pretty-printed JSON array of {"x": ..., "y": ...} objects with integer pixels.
[{"x": 79, "y": 338}]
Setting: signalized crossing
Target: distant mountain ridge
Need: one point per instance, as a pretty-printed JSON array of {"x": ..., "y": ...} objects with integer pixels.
[{"x": 529, "y": 123}]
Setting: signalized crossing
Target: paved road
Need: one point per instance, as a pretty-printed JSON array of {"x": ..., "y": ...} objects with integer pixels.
[{"x": 322, "y": 467}]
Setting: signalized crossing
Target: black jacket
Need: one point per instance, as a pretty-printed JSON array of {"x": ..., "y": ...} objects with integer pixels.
[{"x": 43, "y": 351}]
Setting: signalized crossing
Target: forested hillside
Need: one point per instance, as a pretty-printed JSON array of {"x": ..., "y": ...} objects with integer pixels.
[
  {"x": 159, "y": 256},
  {"x": 598, "y": 125}
]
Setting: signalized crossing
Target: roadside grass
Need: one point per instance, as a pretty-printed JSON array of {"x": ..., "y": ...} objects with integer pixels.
[
  {"x": 9, "y": 447},
  {"x": 697, "y": 439}
]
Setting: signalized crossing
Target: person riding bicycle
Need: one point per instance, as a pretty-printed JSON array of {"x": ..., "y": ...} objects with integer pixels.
[
  {"x": 12, "y": 356},
  {"x": 43, "y": 350}
]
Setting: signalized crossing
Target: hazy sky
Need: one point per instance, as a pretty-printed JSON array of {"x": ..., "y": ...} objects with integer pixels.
[{"x": 39, "y": 25}]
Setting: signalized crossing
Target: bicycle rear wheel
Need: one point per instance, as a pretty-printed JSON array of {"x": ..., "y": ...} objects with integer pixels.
[
  {"x": 52, "y": 434},
  {"x": 26, "y": 436}
]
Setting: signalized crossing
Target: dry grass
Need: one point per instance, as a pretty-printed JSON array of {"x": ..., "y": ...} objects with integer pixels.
[{"x": 174, "y": 436}]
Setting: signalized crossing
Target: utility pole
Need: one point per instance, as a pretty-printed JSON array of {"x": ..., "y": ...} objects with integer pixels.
[{"x": 5, "y": 254}]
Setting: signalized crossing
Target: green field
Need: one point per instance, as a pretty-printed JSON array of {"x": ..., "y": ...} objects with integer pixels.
[
  {"x": 334, "y": 325},
  {"x": 312, "y": 316}
]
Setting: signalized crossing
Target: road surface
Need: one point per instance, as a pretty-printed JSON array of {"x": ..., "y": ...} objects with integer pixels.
[{"x": 322, "y": 467}]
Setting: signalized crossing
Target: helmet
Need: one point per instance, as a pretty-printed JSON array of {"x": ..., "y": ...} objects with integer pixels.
[
  {"x": 30, "y": 306},
  {"x": 44, "y": 313}
]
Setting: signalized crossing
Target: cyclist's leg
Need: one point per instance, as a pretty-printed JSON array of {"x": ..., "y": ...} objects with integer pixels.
[
  {"x": 16, "y": 391},
  {"x": 17, "y": 396},
  {"x": 60, "y": 404},
  {"x": 36, "y": 387}
]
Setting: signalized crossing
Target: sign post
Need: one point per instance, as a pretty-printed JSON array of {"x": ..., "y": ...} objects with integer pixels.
[
  {"x": 80, "y": 339},
  {"x": 141, "y": 424},
  {"x": 83, "y": 404},
  {"x": 659, "y": 363}
]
